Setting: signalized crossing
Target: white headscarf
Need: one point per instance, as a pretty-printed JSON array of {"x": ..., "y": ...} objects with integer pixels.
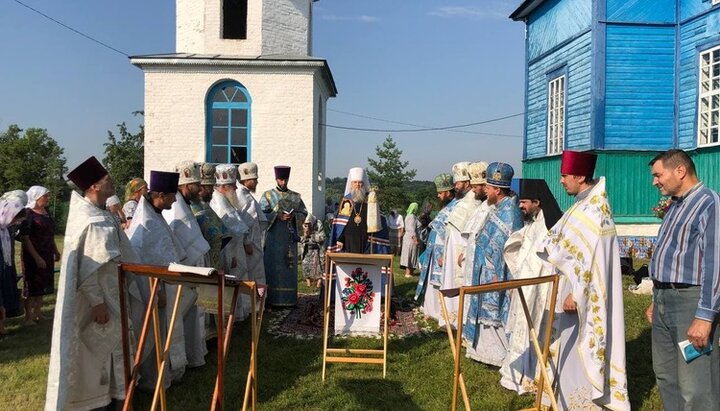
[
  {"x": 10, "y": 205},
  {"x": 357, "y": 174},
  {"x": 34, "y": 193},
  {"x": 112, "y": 200}
]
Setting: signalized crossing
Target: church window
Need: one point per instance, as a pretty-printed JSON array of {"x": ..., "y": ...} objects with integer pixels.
[
  {"x": 234, "y": 19},
  {"x": 556, "y": 115},
  {"x": 709, "y": 98},
  {"x": 228, "y": 124}
]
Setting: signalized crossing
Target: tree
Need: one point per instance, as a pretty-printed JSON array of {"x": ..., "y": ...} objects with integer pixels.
[
  {"x": 31, "y": 158},
  {"x": 334, "y": 189},
  {"x": 389, "y": 175},
  {"x": 124, "y": 156}
]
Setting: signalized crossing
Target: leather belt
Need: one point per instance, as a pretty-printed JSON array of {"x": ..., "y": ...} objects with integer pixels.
[{"x": 666, "y": 286}]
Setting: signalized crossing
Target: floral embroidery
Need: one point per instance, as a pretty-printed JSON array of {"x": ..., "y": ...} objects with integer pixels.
[{"x": 357, "y": 296}]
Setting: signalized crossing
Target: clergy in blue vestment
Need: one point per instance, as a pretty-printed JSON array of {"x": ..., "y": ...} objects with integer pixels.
[
  {"x": 432, "y": 259},
  {"x": 484, "y": 327},
  {"x": 284, "y": 210}
]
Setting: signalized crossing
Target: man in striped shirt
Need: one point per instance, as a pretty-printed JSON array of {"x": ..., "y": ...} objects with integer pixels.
[{"x": 685, "y": 271}]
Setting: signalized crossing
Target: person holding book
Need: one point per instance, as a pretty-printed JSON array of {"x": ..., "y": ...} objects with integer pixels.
[
  {"x": 284, "y": 211},
  {"x": 686, "y": 298}
]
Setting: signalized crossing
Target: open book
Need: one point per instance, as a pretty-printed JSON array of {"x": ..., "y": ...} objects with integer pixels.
[{"x": 181, "y": 268}]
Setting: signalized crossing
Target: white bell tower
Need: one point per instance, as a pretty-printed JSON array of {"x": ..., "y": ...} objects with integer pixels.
[
  {"x": 248, "y": 28},
  {"x": 241, "y": 86}
]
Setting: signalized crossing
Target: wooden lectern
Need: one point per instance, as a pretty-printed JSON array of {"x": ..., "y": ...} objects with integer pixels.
[
  {"x": 161, "y": 273},
  {"x": 351, "y": 355},
  {"x": 544, "y": 383}
]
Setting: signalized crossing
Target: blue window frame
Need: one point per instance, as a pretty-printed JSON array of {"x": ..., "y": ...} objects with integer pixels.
[{"x": 228, "y": 123}]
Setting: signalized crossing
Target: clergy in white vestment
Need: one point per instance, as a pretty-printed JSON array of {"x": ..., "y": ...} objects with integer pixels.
[
  {"x": 184, "y": 225},
  {"x": 432, "y": 259},
  {"x": 233, "y": 257},
  {"x": 476, "y": 220},
  {"x": 254, "y": 218},
  {"x": 540, "y": 212},
  {"x": 484, "y": 329},
  {"x": 155, "y": 243},
  {"x": 86, "y": 359},
  {"x": 589, "y": 353},
  {"x": 452, "y": 273},
  {"x": 474, "y": 223}
]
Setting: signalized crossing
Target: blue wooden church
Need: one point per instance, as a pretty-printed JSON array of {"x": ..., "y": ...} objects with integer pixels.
[{"x": 625, "y": 79}]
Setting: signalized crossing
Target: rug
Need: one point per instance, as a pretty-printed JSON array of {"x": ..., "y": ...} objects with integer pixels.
[{"x": 305, "y": 320}]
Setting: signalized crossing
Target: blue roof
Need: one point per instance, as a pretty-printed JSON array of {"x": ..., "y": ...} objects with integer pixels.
[{"x": 527, "y": 7}]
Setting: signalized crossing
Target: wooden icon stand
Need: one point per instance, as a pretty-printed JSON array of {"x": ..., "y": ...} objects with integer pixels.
[
  {"x": 161, "y": 273},
  {"x": 351, "y": 355},
  {"x": 544, "y": 383}
]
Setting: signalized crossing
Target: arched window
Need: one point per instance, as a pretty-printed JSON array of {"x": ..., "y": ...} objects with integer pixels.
[{"x": 228, "y": 123}]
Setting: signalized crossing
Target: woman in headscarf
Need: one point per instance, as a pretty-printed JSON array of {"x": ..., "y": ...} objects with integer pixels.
[
  {"x": 12, "y": 210},
  {"x": 39, "y": 252},
  {"x": 410, "y": 241},
  {"x": 113, "y": 205},
  {"x": 136, "y": 188}
]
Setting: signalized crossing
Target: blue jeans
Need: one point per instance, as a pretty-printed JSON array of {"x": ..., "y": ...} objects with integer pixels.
[{"x": 683, "y": 386}]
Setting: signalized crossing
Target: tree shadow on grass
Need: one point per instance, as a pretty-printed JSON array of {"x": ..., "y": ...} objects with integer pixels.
[
  {"x": 281, "y": 361},
  {"x": 640, "y": 375},
  {"x": 378, "y": 394}
]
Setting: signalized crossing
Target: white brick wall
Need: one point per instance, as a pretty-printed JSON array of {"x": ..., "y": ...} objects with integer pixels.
[
  {"x": 273, "y": 27},
  {"x": 190, "y": 26},
  {"x": 286, "y": 27},
  {"x": 286, "y": 101},
  {"x": 284, "y": 123}
]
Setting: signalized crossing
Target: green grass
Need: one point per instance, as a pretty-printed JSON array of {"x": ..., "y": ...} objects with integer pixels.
[{"x": 289, "y": 371}]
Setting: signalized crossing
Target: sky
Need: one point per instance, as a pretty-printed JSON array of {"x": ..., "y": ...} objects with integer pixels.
[{"x": 419, "y": 62}]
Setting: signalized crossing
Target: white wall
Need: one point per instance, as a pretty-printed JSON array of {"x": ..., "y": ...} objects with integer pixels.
[
  {"x": 283, "y": 125},
  {"x": 273, "y": 27}
]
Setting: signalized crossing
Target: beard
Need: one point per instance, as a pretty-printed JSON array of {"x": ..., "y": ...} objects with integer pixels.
[
  {"x": 358, "y": 195},
  {"x": 446, "y": 200},
  {"x": 528, "y": 217},
  {"x": 232, "y": 198}
]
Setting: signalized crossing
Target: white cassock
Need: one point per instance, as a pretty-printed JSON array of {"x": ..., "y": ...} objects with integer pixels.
[
  {"x": 589, "y": 351},
  {"x": 255, "y": 219},
  {"x": 455, "y": 244},
  {"x": 469, "y": 233},
  {"x": 86, "y": 359},
  {"x": 156, "y": 244},
  {"x": 233, "y": 256},
  {"x": 184, "y": 225},
  {"x": 519, "y": 367}
]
